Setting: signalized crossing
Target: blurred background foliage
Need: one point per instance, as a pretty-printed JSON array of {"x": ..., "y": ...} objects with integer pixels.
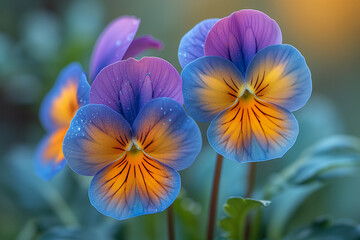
[{"x": 313, "y": 189}]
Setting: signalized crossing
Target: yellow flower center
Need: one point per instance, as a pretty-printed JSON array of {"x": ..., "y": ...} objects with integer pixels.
[
  {"x": 135, "y": 153},
  {"x": 134, "y": 149}
]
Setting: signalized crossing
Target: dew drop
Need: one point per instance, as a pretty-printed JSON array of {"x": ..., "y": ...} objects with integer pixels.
[{"x": 129, "y": 37}]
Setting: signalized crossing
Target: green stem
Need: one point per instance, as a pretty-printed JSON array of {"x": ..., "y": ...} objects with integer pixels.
[
  {"x": 214, "y": 197},
  {"x": 170, "y": 217},
  {"x": 251, "y": 180},
  {"x": 249, "y": 191}
]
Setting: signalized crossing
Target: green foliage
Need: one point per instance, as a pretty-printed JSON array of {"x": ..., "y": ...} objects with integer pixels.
[
  {"x": 237, "y": 210},
  {"x": 325, "y": 229},
  {"x": 332, "y": 158}
]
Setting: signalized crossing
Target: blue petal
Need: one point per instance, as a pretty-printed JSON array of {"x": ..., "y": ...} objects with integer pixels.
[
  {"x": 134, "y": 185},
  {"x": 71, "y": 85},
  {"x": 96, "y": 137},
  {"x": 165, "y": 132},
  {"x": 49, "y": 159},
  {"x": 253, "y": 130},
  {"x": 192, "y": 44},
  {"x": 210, "y": 85},
  {"x": 283, "y": 77}
]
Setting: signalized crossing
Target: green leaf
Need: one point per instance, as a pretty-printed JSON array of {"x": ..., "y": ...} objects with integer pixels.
[
  {"x": 237, "y": 209},
  {"x": 324, "y": 229},
  {"x": 284, "y": 206},
  {"x": 335, "y": 157}
]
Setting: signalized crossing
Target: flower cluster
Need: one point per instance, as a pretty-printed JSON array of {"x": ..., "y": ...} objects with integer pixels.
[
  {"x": 129, "y": 129},
  {"x": 239, "y": 76}
]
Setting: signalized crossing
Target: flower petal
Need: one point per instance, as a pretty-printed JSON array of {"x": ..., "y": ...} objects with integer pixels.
[
  {"x": 134, "y": 185},
  {"x": 210, "y": 85},
  {"x": 253, "y": 130},
  {"x": 279, "y": 74},
  {"x": 192, "y": 43},
  {"x": 49, "y": 158},
  {"x": 141, "y": 44},
  {"x": 113, "y": 43},
  {"x": 70, "y": 92},
  {"x": 165, "y": 132},
  {"x": 126, "y": 86},
  {"x": 241, "y": 35},
  {"x": 97, "y": 137}
]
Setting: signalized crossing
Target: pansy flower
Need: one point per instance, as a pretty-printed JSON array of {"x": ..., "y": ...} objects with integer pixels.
[
  {"x": 247, "y": 85},
  {"x": 70, "y": 92},
  {"x": 116, "y": 42},
  {"x": 133, "y": 137}
]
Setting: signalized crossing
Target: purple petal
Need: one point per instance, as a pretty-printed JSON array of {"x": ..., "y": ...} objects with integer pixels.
[
  {"x": 241, "y": 35},
  {"x": 113, "y": 43},
  {"x": 192, "y": 44},
  {"x": 126, "y": 86},
  {"x": 140, "y": 44}
]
